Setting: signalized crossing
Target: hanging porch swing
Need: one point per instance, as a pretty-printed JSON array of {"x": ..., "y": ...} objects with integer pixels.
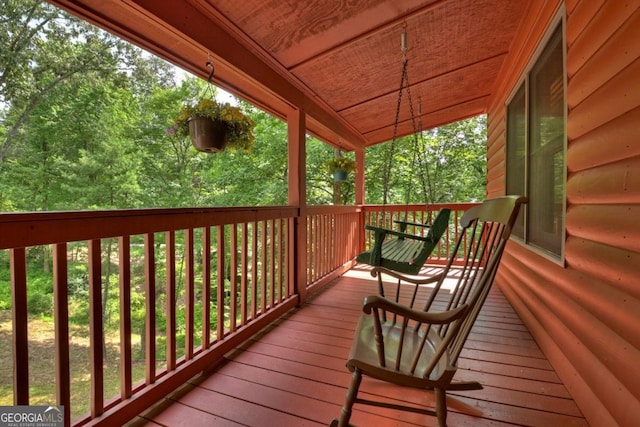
[{"x": 398, "y": 250}]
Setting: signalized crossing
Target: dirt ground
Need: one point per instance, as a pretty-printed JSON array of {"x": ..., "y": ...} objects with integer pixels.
[{"x": 42, "y": 364}]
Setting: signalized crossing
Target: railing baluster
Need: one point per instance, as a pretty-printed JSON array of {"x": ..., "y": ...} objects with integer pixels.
[
  {"x": 263, "y": 279},
  {"x": 220, "y": 283},
  {"x": 254, "y": 271},
  {"x": 321, "y": 255},
  {"x": 233, "y": 297},
  {"x": 272, "y": 260},
  {"x": 170, "y": 262},
  {"x": 278, "y": 269},
  {"x": 341, "y": 238},
  {"x": 327, "y": 232},
  {"x": 189, "y": 294},
  {"x": 317, "y": 244},
  {"x": 311, "y": 249},
  {"x": 96, "y": 332},
  {"x": 20, "y": 327},
  {"x": 61, "y": 320},
  {"x": 206, "y": 287},
  {"x": 125, "y": 316},
  {"x": 291, "y": 268},
  {"x": 150, "y": 305},
  {"x": 243, "y": 276}
]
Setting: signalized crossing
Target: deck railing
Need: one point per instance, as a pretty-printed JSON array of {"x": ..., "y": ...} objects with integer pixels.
[{"x": 143, "y": 300}]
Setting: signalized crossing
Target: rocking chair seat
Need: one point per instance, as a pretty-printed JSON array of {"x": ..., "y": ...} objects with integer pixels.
[{"x": 366, "y": 357}]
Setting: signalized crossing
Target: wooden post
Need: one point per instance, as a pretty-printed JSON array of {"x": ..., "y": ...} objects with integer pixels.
[
  {"x": 360, "y": 196},
  {"x": 297, "y": 270},
  {"x": 337, "y": 187}
]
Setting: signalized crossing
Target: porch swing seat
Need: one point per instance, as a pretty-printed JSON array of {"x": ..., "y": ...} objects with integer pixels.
[{"x": 404, "y": 252}]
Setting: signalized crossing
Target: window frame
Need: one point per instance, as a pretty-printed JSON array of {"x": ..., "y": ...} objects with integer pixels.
[{"x": 523, "y": 82}]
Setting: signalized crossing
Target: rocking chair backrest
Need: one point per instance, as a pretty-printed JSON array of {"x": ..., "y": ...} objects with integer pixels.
[
  {"x": 485, "y": 230},
  {"x": 420, "y": 348}
]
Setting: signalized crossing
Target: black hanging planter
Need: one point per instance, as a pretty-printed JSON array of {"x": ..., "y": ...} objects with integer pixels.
[{"x": 207, "y": 135}]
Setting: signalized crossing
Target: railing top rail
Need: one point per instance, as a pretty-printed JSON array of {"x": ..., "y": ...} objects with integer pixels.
[
  {"x": 332, "y": 209},
  {"x": 40, "y": 228},
  {"x": 418, "y": 207}
]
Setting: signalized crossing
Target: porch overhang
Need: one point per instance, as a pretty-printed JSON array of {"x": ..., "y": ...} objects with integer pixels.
[{"x": 339, "y": 63}]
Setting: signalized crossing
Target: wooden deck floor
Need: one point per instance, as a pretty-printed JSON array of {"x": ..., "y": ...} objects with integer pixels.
[{"x": 293, "y": 374}]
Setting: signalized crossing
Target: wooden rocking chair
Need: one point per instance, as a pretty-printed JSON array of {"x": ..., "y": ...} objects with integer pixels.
[
  {"x": 404, "y": 252},
  {"x": 420, "y": 348}
]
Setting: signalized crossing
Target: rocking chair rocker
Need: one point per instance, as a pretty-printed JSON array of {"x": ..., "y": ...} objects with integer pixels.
[{"x": 420, "y": 347}]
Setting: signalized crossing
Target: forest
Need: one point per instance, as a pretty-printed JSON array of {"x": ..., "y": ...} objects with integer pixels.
[{"x": 84, "y": 120}]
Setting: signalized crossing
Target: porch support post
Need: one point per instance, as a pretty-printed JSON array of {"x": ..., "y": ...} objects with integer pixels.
[
  {"x": 359, "y": 176},
  {"x": 297, "y": 270},
  {"x": 360, "y": 195}
]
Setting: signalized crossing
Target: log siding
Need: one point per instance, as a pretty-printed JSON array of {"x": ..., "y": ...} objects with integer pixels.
[{"x": 584, "y": 314}]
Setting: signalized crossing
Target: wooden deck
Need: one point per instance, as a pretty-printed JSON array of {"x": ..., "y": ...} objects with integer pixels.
[{"x": 293, "y": 374}]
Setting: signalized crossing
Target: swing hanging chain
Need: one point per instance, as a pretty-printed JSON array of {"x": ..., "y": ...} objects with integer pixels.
[
  {"x": 423, "y": 164},
  {"x": 404, "y": 80},
  {"x": 391, "y": 150}
]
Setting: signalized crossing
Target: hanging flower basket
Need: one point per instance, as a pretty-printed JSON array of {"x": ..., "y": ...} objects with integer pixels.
[
  {"x": 213, "y": 126},
  {"x": 208, "y": 135},
  {"x": 341, "y": 167}
]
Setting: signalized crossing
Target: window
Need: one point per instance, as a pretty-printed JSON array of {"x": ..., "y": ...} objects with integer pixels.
[{"x": 536, "y": 148}]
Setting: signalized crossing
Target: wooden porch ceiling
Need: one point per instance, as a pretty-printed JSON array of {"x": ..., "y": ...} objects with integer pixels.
[{"x": 340, "y": 61}]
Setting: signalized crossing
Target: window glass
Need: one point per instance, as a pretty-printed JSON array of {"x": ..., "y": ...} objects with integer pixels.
[
  {"x": 546, "y": 144},
  {"x": 535, "y": 149},
  {"x": 516, "y": 135}
]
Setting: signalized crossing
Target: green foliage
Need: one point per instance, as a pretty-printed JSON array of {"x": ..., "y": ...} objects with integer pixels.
[
  {"x": 443, "y": 165},
  {"x": 40, "y": 303},
  {"x": 5, "y": 280}
]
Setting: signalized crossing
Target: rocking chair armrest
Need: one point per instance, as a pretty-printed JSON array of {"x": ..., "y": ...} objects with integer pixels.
[{"x": 430, "y": 317}]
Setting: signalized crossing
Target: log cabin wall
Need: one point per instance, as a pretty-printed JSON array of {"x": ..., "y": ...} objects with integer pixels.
[{"x": 585, "y": 313}]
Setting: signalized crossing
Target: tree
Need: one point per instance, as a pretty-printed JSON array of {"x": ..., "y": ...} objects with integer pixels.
[{"x": 445, "y": 165}]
